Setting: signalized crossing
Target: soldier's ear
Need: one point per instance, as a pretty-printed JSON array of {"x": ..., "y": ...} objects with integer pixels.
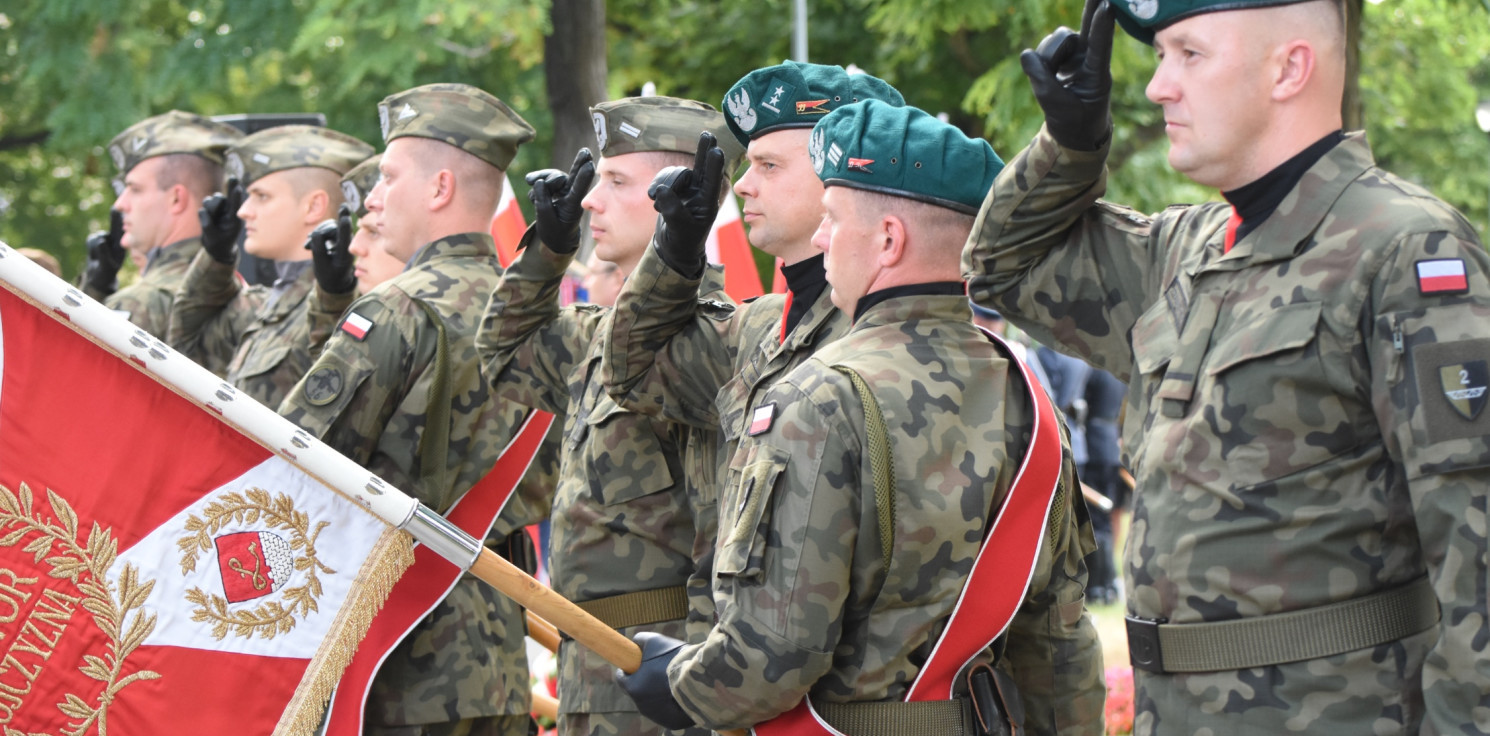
[
  {"x": 892, "y": 235},
  {"x": 181, "y": 200},
  {"x": 317, "y": 206},
  {"x": 442, "y": 190}
]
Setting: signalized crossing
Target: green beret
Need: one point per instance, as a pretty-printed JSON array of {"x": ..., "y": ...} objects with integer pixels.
[
  {"x": 670, "y": 124},
  {"x": 355, "y": 184},
  {"x": 173, "y": 132},
  {"x": 1142, "y": 18},
  {"x": 294, "y": 147},
  {"x": 796, "y": 95},
  {"x": 458, "y": 114},
  {"x": 905, "y": 152}
]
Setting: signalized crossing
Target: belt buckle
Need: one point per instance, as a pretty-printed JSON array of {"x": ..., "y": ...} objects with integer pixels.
[{"x": 1143, "y": 643}]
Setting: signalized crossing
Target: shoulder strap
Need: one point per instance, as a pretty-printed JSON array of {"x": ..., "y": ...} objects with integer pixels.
[{"x": 881, "y": 462}]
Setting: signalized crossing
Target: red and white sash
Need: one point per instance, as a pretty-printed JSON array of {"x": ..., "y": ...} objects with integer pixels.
[{"x": 1000, "y": 577}]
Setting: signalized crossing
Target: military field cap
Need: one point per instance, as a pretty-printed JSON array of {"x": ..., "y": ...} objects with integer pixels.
[
  {"x": 1142, "y": 18},
  {"x": 355, "y": 184},
  {"x": 796, "y": 95},
  {"x": 670, "y": 124},
  {"x": 293, "y": 147},
  {"x": 172, "y": 132},
  {"x": 458, "y": 114},
  {"x": 903, "y": 151}
]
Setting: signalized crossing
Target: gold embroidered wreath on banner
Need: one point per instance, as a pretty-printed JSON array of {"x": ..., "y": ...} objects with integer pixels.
[
  {"x": 271, "y": 618},
  {"x": 86, "y": 566}
]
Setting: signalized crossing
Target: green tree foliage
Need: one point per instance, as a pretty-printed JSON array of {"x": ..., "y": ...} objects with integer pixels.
[{"x": 75, "y": 72}]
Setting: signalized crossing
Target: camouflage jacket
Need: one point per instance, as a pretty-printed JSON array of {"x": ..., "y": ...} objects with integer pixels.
[
  {"x": 368, "y": 398},
  {"x": 211, "y": 312},
  {"x": 1288, "y": 422},
  {"x": 148, "y": 299},
  {"x": 624, "y": 519},
  {"x": 805, "y": 602},
  {"x": 322, "y": 314},
  {"x": 671, "y": 352}
]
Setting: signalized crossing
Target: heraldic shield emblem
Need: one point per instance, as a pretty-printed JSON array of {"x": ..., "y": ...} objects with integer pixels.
[
  {"x": 253, "y": 564},
  {"x": 1464, "y": 386}
]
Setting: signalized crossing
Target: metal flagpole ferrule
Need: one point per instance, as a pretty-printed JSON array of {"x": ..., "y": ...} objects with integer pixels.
[{"x": 446, "y": 539}]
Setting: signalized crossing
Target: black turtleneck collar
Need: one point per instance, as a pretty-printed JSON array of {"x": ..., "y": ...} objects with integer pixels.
[
  {"x": 935, "y": 288},
  {"x": 806, "y": 280},
  {"x": 1257, "y": 200}
]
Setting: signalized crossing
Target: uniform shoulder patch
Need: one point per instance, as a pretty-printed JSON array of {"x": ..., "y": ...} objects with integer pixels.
[
  {"x": 761, "y": 419},
  {"x": 323, "y": 386},
  {"x": 1442, "y": 276},
  {"x": 1453, "y": 388},
  {"x": 357, "y": 326}
]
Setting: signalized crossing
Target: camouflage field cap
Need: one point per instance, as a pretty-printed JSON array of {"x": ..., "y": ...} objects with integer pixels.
[
  {"x": 1142, "y": 18},
  {"x": 796, "y": 95},
  {"x": 355, "y": 184},
  {"x": 293, "y": 147},
  {"x": 637, "y": 124},
  {"x": 172, "y": 132},
  {"x": 458, "y": 114},
  {"x": 905, "y": 152}
]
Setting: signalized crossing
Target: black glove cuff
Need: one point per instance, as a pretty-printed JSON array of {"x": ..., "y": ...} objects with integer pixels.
[
  {"x": 648, "y": 686},
  {"x": 689, "y": 265}
]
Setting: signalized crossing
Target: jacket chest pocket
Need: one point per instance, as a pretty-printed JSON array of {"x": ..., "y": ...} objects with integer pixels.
[
  {"x": 743, "y": 525},
  {"x": 258, "y": 357},
  {"x": 625, "y": 455}
]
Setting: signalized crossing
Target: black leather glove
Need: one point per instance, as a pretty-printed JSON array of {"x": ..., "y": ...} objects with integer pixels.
[
  {"x": 648, "y": 685},
  {"x": 556, "y": 198},
  {"x": 333, "y": 262},
  {"x": 688, "y": 200},
  {"x": 220, "y": 223},
  {"x": 105, "y": 256},
  {"x": 1072, "y": 79}
]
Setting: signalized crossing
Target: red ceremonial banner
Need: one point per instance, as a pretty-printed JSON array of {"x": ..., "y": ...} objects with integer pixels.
[{"x": 161, "y": 572}]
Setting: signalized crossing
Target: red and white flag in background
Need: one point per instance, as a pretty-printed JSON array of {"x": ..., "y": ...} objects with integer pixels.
[
  {"x": 728, "y": 247},
  {"x": 508, "y": 224},
  {"x": 161, "y": 572}
]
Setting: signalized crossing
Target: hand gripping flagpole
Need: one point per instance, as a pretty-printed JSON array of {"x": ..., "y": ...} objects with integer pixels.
[{"x": 110, "y": 330}]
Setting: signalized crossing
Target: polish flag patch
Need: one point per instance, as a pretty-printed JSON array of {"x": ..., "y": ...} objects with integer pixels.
[
  {"x": 761, "y": 420},
  {"x": 1442, "y": 276},
  {"x": 356, "y": 325}
]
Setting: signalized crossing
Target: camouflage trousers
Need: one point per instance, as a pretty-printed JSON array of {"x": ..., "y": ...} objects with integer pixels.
[
  {"x": 622, "y": 723},
  {"x": 494, "y": 726}
]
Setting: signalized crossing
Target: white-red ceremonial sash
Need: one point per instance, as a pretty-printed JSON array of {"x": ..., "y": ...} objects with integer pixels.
[
  {"x": 160, "y": 572},
  {"x": 432, "y": 577},
  {"x": 1000, "y": 577}
]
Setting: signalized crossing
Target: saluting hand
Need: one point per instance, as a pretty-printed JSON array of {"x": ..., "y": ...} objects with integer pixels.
[
  {"x": 1071, "y": 76},
  {"x": 105, "y": 256},
  {"x": 556, "y": 201},
  {"x": 688, "y": 202},
  {"x": 329, "y": 249},
  {"x": 220, "y": 223}
]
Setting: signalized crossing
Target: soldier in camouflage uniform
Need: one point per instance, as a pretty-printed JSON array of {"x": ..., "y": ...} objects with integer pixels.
[
  {"x": 398, "y": 388},
  {"x": 168, "y": 164},
  {"x": 813, "y": 598},
  {"x": 1308, "y": 373},
  {"x": 255, "y": 336},
  {"x": 673, "y": 355},
  {"x": 627, "y": 526}
]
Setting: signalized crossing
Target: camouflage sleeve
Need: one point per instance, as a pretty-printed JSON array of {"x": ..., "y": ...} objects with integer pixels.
[
  {"x": 662, "y": 358},
  {"x": 1052, "y": 648},
  {"x": 1064, "y": 266},
  {"x": 149, "y": 307},
  {"x": 323, "y": 313},
  {"x": 210, "y": 313},
  {"x": 1430, "y": 364},
  {"x": 355, "y": 386},
  {"x": 792, "y": 513},
  {"x": 529, "y": 344}
]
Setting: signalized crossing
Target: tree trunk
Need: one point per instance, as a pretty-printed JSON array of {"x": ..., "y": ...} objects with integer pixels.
[
  {"x": 574, "y": 71},
  {"x": 1352, "y": 110}
]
